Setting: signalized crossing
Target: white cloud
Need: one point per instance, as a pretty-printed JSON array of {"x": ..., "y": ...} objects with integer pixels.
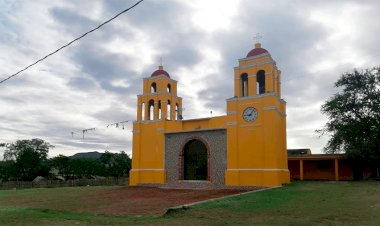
[
  {"x": 193, "y": 81},
  {"x": 213, "y": 15}
]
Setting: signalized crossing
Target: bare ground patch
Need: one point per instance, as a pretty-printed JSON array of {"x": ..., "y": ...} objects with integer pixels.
[{"x": 119, "y": 200}]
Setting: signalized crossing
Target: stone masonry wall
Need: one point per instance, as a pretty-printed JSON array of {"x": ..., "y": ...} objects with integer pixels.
[{"x": 216, "y": 143}]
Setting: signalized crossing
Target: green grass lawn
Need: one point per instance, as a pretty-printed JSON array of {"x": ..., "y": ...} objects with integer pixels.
[{"x": 300, "y": 203}]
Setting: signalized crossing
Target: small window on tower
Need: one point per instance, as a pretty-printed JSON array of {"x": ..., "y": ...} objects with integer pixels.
[
  {"x": 168, "y": 89},
  {"x": 153, "y": 88}
]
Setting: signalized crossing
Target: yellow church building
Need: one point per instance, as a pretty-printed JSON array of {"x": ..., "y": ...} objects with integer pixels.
[{"x": 245, "y": 147}]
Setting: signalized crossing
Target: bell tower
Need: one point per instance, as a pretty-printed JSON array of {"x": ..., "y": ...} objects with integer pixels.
[
  {"x": 159, "y": 100},
  {"x": 158, "y": 108},
  {"x": 256, "y": 123},
  {"x": 257, "y": 74}
]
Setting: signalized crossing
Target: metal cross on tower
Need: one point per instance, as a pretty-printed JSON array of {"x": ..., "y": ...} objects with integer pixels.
[{"x": 257, "y": 37}]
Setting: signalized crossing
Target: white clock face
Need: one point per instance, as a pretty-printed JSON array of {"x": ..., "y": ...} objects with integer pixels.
[{"x": 250, "y": 114}]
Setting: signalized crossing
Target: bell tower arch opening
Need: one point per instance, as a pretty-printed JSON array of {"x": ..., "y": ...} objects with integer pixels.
[
  {"x": 176, "y": 112},
  {"x": 151, "y": 110},
  {"x": 143, "y": 111},
  {"x": 153, "y": 87},
  {"x": 195, "y": 160},
  {"x": 260, "y": 82},
  {"x": 159, "y": 110},
  {"x": 244, "y": 84},
  {"x": 168, "y": 109}
]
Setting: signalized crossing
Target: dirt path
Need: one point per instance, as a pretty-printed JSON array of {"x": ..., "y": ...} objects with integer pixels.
[
  {"x": 113, "y": 200},
  {"x": 148, "y": 200}
]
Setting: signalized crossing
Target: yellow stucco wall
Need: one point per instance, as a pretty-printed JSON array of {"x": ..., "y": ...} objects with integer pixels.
[{"x": 256, "y": 151}]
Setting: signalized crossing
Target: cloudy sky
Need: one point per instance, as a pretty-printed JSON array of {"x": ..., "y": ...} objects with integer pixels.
[{"x": 94, "y": 82}]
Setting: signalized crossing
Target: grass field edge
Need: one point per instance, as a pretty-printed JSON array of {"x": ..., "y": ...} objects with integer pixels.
[{"x": 179, "y": 208}]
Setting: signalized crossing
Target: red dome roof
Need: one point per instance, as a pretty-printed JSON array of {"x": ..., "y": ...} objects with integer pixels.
[
  {"x": 160, "y": 71},
  {"x": 257, "y": 50}
]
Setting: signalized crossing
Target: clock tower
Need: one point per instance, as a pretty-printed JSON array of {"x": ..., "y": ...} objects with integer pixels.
[{"x": 256, "y": 123}]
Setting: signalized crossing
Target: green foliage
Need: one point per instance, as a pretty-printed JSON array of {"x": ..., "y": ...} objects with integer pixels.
[
  {"x": 8, "y": 170},
  {"x": 28, "y": 164},
  {"x": 85, "y": 167},
  {"x": 26, "y": 159},
  {"x": 39, "y": 146},
  {"x": 108, "y": 165},
  {"x": 354, "y": 117},
  {"x": 29, "y": 158},
  {"x": 116, "y": 164},
  {"x": 62, "y": 164}
]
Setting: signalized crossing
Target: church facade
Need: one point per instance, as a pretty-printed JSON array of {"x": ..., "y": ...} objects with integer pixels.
[{"x": 245, "y": 147}]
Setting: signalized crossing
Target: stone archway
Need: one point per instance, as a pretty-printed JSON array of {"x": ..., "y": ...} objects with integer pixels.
[
  {"x": 195, "y": 160},
  {"x": 216, "y": 146}
]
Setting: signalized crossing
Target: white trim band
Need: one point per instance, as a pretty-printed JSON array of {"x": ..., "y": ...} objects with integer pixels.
[
  {"x": 231, "y": 123},
  {"x": 268, "y": 108},
  {"x": 255, "y": 64}
]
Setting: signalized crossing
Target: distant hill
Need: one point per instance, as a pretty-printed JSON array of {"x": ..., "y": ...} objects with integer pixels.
[{"x": 87, "y": 155}]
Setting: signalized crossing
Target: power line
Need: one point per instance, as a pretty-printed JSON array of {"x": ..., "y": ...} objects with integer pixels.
[{"x": 54, "y": 52}]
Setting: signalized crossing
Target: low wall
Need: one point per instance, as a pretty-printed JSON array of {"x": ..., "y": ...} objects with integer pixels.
[{"x": 69, "y": 183}]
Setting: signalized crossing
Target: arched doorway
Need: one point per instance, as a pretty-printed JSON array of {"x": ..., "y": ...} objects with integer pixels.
[{"x": 195, "y": 161}]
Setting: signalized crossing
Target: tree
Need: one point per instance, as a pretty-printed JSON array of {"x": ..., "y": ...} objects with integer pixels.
[
  {"x": 8, "y": 170},
  {"x": 108, "y": 165},
  {"x": 85, "y": 167},
  {"x": 116, "y": 164},
  {"x": 39, "y": 146},
  {"x": 29, "y": 157},
  {"x": 62, "y": 164},
  {"x": 354, "y": 118}
]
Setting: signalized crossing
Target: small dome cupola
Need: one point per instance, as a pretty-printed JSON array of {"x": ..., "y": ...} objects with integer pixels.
[
  {"x": 256, "y": 51},
  {"x": 160, "y": 71}
]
